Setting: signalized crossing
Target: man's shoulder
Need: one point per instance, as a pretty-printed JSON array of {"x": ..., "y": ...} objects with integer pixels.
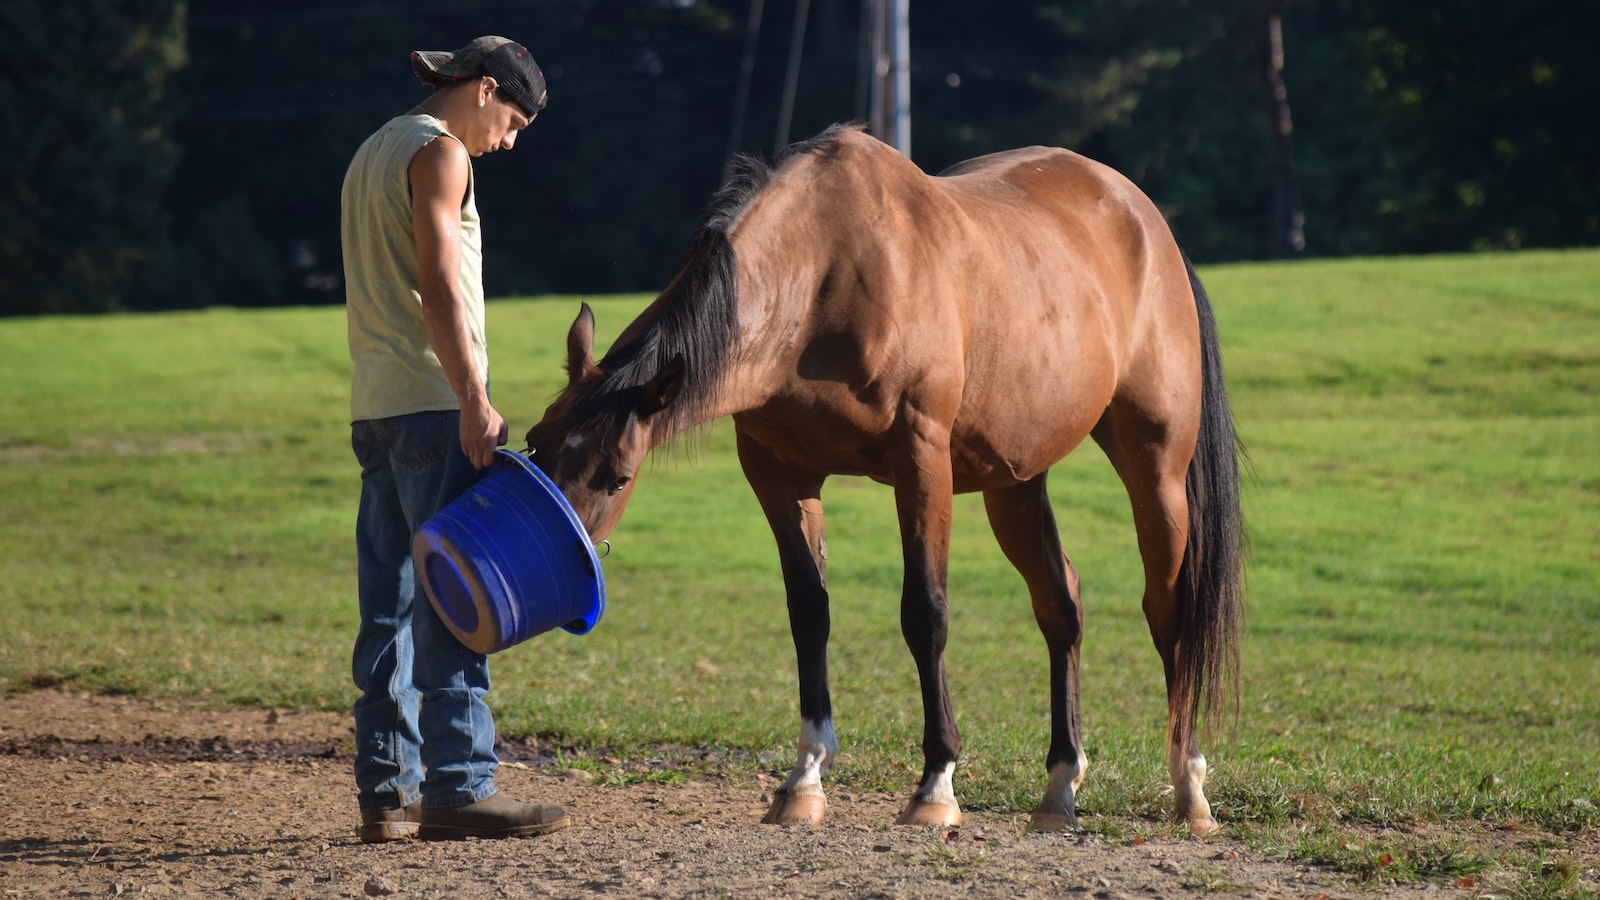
[
  {"x": 441, "y": 168},
  {"x": 403, "y": 135},
  {"x": 443, "y": 149}
]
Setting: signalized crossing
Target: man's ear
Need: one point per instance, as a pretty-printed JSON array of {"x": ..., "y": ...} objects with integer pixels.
[{"x": 659, "y": 392}]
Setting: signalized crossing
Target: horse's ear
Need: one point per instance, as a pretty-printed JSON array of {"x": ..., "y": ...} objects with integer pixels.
[
  {"x": 580, "y": 346},
  {"x": 659, "y": 392}
]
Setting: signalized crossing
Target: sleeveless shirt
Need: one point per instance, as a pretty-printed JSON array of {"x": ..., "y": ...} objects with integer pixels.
[{"x": 396, "y": 369}]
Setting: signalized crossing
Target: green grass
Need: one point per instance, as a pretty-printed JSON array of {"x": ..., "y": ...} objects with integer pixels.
[{"x": 1424, "y": 619}]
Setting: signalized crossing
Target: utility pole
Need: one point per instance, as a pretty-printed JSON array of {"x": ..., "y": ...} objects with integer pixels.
[
  {"x": 791, "y": 80},
  {"x": 741, "y": 97},
  {"x": 890, "y": 42}
]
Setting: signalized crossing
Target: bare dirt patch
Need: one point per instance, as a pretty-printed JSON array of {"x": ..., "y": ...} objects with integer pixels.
[{"x": 109, "y": 796}]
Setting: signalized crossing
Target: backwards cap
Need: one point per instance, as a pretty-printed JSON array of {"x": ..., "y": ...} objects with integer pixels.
[{"x": 509, "y": 62}]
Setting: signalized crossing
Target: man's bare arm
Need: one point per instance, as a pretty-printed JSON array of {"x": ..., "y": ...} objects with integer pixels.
[{"x": 439, "y": 175}]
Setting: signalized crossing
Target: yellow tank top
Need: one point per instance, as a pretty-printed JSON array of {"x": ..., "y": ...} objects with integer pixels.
[{"x": 396, "y": 370}]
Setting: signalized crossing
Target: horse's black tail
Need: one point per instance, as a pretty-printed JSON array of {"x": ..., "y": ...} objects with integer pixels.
[{"x": 1211, "y": 580}]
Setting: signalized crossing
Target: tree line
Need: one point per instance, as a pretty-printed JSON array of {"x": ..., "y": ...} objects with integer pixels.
[{"x": 188, "y": 153}]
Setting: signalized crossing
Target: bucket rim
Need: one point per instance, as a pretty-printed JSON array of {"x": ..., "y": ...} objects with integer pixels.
[{"x": 522, "y": 462}]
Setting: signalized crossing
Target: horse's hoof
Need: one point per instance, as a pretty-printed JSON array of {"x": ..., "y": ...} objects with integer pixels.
[
  {"x": 787, "y": 809},
  {"x": 1052, "y": 823},
  {"x": 943, "y": 815},
  {"x": 1203, "y": 826}
]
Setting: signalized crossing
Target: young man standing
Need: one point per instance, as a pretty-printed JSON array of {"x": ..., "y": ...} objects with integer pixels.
[{"x": 422, "y": 428}]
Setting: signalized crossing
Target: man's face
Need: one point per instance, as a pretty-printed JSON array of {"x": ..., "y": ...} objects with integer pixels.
[{"x": 497, "y": 125}]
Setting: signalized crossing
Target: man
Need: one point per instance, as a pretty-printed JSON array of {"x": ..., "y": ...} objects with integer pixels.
[{"x": 422, "y": 427}]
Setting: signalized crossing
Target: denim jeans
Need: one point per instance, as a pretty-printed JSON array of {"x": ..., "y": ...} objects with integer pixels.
[{"x": 421, "y": 707}]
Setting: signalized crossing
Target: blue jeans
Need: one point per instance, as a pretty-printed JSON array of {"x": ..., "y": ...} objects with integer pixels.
[{"x": 421, "y": 706}]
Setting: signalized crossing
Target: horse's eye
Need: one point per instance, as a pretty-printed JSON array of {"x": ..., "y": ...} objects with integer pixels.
[{"x": 616, "y": 486}]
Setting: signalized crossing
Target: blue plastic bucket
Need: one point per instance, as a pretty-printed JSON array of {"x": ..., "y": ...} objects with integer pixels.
[{"x": 509, "y": 559}]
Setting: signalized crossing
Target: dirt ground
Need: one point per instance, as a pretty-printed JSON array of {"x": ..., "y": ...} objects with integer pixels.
[{"x": 111, "y": 796}]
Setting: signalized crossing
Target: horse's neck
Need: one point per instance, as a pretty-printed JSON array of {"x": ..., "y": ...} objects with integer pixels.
[
  {"x": 772, "y": 292},
  {"x": 774, "y": 316},
  {"x": 722, "y": 381}
]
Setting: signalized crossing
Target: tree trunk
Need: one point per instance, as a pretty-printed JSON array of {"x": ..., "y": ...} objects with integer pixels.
[{"x": 1288, "y": 214}]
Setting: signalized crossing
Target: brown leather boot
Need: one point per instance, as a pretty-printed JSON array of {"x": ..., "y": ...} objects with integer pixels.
[
  {"x": 496, "y": 816},
  {"x": 381, "y": 825}
]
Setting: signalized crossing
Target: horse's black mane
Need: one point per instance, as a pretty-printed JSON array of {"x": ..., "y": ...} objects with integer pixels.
[
  {"x": 696, "y": 317},
  {"x": 751, "y": 172}
]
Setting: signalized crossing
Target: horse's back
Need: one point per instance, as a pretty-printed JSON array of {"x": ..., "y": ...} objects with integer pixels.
[
  {"x": 1013, "y": 296},
  {"x": 1083, "y": 299},
  {"x": 1086, "y": 207}
]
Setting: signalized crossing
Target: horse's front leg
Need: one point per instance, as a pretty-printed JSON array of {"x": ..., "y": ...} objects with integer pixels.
[
  {"x": 793, "y": 506},
  {"x": 923, "y": 502}
]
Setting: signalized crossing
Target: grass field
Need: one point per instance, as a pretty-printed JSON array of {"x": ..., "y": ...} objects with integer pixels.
[{"x": 1424, "y": 609}]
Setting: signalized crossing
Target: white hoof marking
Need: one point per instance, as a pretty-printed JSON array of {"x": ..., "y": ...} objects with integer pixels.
[
  {"x": 940, "y": 788},
  {"x": 817, "y": 748},
  {"x": 1061, "y": 790}
]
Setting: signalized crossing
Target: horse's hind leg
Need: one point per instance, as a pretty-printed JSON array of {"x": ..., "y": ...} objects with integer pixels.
[
  {"x": 793, "y": 506},
  {"x": 1152, "y": 459},
  {"x": 1025, "y": 527}
]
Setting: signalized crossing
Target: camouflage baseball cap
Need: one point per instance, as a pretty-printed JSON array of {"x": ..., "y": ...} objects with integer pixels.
[{"x": 509, "y": 62}]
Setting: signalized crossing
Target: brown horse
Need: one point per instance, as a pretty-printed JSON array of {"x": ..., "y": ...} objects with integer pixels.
[{"x": 939, "y": 334}]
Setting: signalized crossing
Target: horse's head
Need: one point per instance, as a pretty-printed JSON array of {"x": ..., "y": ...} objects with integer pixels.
[{"x": 594, "y": 437}]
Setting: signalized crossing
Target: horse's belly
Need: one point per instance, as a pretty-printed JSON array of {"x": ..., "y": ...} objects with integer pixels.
[
  {"x": 820, "y": 440},
  {"x": 1011, "y": 422},
  {"x": 1023, "y": 414},
  {"x": 1006, "y": 449}
]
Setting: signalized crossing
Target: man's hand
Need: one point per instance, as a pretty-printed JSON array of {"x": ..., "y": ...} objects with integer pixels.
[{"x": 482, "y": 430}]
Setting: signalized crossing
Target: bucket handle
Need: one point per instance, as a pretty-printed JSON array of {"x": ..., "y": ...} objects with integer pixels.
[{"x": 589, "y": 561}]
